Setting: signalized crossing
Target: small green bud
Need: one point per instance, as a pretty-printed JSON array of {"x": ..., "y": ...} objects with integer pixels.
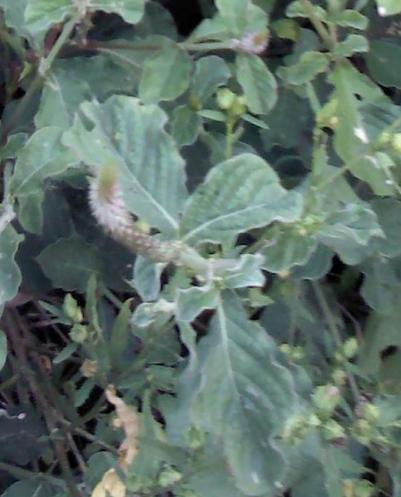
[
  {"x": 331, "y": 430},
  {"x": 326, "y": 399},
  {"x": 384, "y": 139},
  {"x": 350, "y": 348},
  {"x": 285, "y": 348},
  {"x": 363, "y": 488},
  {"x": 238, "y": 107},
  {"x": 362, "y": 430},
  {"x": 71, "y": 309},
  {"x": 79, "y": 333},
  {"x": 313, "y": 421},
  {"x": 339, "y": 377},
  {"x": 169, "y": 477},
  {"x": 195, "y": 438},
  {"x": 194, "y": 103},
  {"x": 396, "y": 142},
  {"x": 371, "y": 412},
  {"x": 225, "y": 99},
  {"x": 295, "y": 429}
]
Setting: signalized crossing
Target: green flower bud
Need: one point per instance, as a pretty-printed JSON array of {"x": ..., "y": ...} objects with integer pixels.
[
  {"x": 71, "y": 309},
  {"x": 363, "y": 488},
  {"x": 331, "y": 430},
  {"x": 396, "y": 142},
  {"x": 339, "y": 377},
  {"x": 362, "y": 430},
  {"x": 370, "y": 412},
  {"x": 238, "y": 107},
  {"x": 295, "y": 429},
  {"x": 169, "y": 477},
  {"x": 79, "y": 333},
  {"x": 326, "y": 399},
  {"x": 384, "y": 139},
  {"x": 195, "y": 438},
  {"x": 350, "y": 348},
  {"x": 225, "y": 99}
]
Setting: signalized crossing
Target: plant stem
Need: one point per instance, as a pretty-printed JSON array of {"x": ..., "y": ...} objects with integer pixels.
[
  {"x": 318, "y": 25},
  {"x": 190, "y": 47},
  {"x": 21, "y": 473},
  {"x": 40, "y": 77},
  {"x": 336, "y": 335}
]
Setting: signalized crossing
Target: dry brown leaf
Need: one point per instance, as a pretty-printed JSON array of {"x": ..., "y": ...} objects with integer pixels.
[{"x": 128, "y": 420}]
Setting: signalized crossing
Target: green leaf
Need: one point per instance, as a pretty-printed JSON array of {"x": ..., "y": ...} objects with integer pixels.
[
  {"x": 232, "y": 402},
  {"x": 352, "y": 44},
  {"x": 10, "y": 275},
  {"x": 3, "y": 349},
  {"x": 388, "y": 212},
  {"x": 239, "y": 194},
  {"x": 192, "y": 301},
  {"x": 41, "y": 14},
  {"x": 349, "y": 232},
  {"x": 382, "y": 62},
  {"x": 186, "y": 125},
  {"x": 257, "y": 82},
  {"x": 36, "y": 487},
  {"x": 130, "y": 135},
  {"x": 66, "y": 353},
  {"x": 306, "y": 69},
  {"x": 381, "y": 286},
  {"x": 350, "y": 19},
  {"x": 165, "y": 75},
  {"x": 14, "y": 17},
  {"x": 287, "y": 249},
  {"x": 120, "y": 333},
  {"x": 42, "y": 157},
  {"x": 210, "y": 73},
  {"x": 69, "y": 263},
  {"x": 388, "y": 7},
  {"x": 130, "y": 10},
  {"x": 146, "y": 279},
  {"x": 234, "y": 13}
]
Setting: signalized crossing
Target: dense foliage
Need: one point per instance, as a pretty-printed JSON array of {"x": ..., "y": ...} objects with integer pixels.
[{"x": 200, "y": 248}]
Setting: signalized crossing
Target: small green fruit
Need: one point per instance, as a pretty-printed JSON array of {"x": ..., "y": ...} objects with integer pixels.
[{"x": 225, "y": 99}]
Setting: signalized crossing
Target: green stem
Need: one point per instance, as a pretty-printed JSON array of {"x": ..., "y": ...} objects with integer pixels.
[
  {"x": 318, "y": 25},
  {"x": 190, "y": 47},
  {"x": 21, "y": 473},
  {"x": 41, "y": 75},
  {"x": 336, "y": 336}
]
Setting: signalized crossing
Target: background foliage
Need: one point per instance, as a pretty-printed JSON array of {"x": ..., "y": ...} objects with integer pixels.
[{"x": 241, "y": 337}]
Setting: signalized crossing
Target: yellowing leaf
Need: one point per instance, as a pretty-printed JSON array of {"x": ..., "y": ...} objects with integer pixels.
[
  {"x": 110, "y": 486},
  {"x": 128, "y": 419}
]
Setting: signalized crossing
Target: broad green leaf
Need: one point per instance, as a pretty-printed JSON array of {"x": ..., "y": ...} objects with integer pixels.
[
  {"x": 257, "y": 82},
  {"x": 380, "y": 287},
  {"x": 69, "y": 263},
  {"x": 186, "y": 125},
  {"x": 210, "y": 73},
  {"x": 42, "y": 157},
  {"x": 192, "y": 301},
  {"x": 14, "y": 16},
  {"x": 239, "y": 194},
  {"x": 236, "y": 404},
  {"x": 244, "y": 272},
  {"x": 37, "y": 487},
  {"x": 40, "y": 15},
  {"x": 234, "y": 13},
  {"x": 307, "y": 68},
  {"x": 388, "y": 212},
  {"x": 3, "y": 349},
  {"x": 352, "y": 44},
  {"x": 288, "y": 248},
  {"x": 130, "y": 135},
  {"x": 10, "y": 275},
  {"x": 130, "y": 10},
  {"x": 388, "y": 7},
  {"x": 350, "y": 19},
  {"x": 349, "y": 232},
  {"x": 382, "y": 62},
  {"x": 165, "y": 75},
  {"x": 146, "y": 279}
]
